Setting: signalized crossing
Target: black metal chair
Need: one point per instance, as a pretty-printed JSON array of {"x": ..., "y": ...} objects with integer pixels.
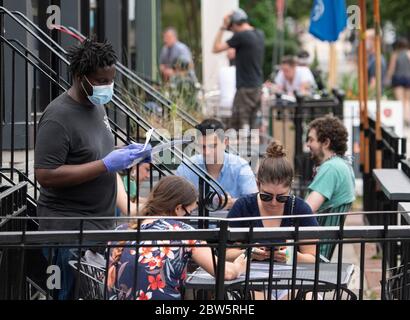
[
  {"x": 91, "y": 280},
  {"x": 397, "y": 286},
  {"x": 327, "y": 249},
  {"x": 282, "y": 290}
]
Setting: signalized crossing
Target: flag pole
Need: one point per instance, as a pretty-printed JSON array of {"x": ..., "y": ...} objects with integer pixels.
[
  {"x": 363, "y": 90},
  {"x": 332, "y": 65},
  {"x": 377, "y": 27}
]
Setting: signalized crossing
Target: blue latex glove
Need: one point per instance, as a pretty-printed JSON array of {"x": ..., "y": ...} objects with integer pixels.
[
  {"x": 122, "y": 158},
  {"x": 139, "y": 147}
]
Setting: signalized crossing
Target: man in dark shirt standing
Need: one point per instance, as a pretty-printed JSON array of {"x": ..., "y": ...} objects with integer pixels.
[
  {"x": 250, "y": 46},
  {"x": 75, "y": 160}
]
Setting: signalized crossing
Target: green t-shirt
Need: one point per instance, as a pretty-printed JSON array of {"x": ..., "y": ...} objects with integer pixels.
[
  {"x": 133, "y": 186},
  {"x": 335, "y": 181}
]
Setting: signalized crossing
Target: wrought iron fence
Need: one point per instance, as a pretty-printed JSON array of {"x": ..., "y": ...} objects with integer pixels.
[
  {"x": 127, "y": 124},
  {"x": 26, "y": 254}
]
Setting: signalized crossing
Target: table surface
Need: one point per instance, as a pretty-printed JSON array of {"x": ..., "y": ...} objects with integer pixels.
[
  {"x": 394, "y": 182},
  {"x": 260, "y": 273},
  {"x": 405, "y": 206}
]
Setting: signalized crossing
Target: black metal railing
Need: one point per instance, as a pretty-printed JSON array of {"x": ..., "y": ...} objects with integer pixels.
[
  {"x": 294, "y": 280},
  {"x": 127, "y": 124},
  {"x": 129, "y": 84},
  {"x": 393, "y": 150}
]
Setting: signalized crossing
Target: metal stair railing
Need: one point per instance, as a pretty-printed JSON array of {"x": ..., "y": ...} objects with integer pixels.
[{"x": 130, "y": 114}]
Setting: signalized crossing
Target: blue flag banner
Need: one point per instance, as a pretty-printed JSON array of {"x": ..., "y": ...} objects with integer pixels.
[{"x": 328, "y": 19}]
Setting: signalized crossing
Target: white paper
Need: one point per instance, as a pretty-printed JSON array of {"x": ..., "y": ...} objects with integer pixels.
[{"x": 147, "y": 140}]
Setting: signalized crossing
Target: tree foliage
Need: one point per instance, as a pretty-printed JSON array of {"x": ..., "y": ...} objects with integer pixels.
[{"x": 185, "y": 16}]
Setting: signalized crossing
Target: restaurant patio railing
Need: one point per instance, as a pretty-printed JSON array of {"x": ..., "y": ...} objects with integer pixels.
[{"x": 25, "y": 256}]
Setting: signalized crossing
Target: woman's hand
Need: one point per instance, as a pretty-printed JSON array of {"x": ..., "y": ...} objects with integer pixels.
[
  {"x": 240, "y": 264},
  {"x": 260, "y": 254},
  {"x": 280, "y": 255}
]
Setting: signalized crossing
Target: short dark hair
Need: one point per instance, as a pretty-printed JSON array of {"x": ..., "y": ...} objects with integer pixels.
[
  {"x": 290, "y": 60},
  {"x": 90, "y": 55},
  {"x": 211, "y": 125},
  {"x": 329, "y": 127}
]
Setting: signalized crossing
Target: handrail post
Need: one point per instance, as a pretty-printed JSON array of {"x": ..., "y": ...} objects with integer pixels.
[{"x": 220, "y": 268}]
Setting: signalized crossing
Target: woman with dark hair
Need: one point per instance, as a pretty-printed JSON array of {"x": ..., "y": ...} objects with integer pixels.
[
  {"x": 274, "y": 180},
  {"x": 162, "y": 270}
]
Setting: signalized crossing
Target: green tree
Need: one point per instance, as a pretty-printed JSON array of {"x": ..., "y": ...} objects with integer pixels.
[
  {"x": 397, "y": 12},
  {"x": 185, "y": 16},
  {"x": 298, "y": 9}
]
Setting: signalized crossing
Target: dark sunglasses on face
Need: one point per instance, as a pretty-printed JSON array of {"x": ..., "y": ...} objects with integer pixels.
[{"x": 267, "y": 197}]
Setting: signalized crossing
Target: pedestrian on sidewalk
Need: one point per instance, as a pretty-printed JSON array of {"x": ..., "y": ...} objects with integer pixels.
[
  {"x": 249, "y": 44},
  {"x": 399, "y": 75}
]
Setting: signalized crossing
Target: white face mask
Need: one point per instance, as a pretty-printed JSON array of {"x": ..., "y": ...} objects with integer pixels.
[{"x": 101, "y": 94}]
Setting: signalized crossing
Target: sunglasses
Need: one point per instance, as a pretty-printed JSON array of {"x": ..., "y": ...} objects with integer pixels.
[
  {"x": 267, "y": 197},
  {"x": 187, "y": 214}
]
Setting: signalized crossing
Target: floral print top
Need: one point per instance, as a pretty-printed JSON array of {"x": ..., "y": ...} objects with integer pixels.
[{"x": 161, "y": 270}]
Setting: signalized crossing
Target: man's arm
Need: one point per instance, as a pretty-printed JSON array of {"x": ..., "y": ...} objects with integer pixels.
[
  {"x": 70, "y": 175},
  {"x": 220, "y": 45},
  {"x": 166, "y": 71},
  {"x": 50, "y": 157},
  {"x": 307, "y": 80},
  {"x": 279, "y": 82},
  {"x": 230, "y": 202},
  {"x": 315, "y": 200},
  {"x": 51, "y": 170}
]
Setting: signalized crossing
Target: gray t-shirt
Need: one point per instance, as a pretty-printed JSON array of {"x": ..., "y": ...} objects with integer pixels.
[
  {"x": 169, "y": 56},
  {"x": 70, "y": 134}
]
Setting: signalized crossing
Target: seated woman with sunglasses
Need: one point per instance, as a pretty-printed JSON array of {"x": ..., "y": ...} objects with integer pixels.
[
  {"x": 162, "y": 270},
  {"x": 274, "y": 180}
]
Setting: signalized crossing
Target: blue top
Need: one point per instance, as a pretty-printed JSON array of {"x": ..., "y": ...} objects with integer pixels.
[
  {"x": 248, "y": 207},
  {"x": 236, "y": 177}
]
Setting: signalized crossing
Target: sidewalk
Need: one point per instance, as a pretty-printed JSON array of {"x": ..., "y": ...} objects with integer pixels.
[{"x": 372, "y": 264}]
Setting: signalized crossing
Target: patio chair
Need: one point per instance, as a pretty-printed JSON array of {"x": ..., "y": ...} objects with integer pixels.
[
  {"x": 281, "y": 290},
  {"x": 397, "y": 286},
  {"x": 326, "y": 250},
  {"x": 91, "y": 280}
]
